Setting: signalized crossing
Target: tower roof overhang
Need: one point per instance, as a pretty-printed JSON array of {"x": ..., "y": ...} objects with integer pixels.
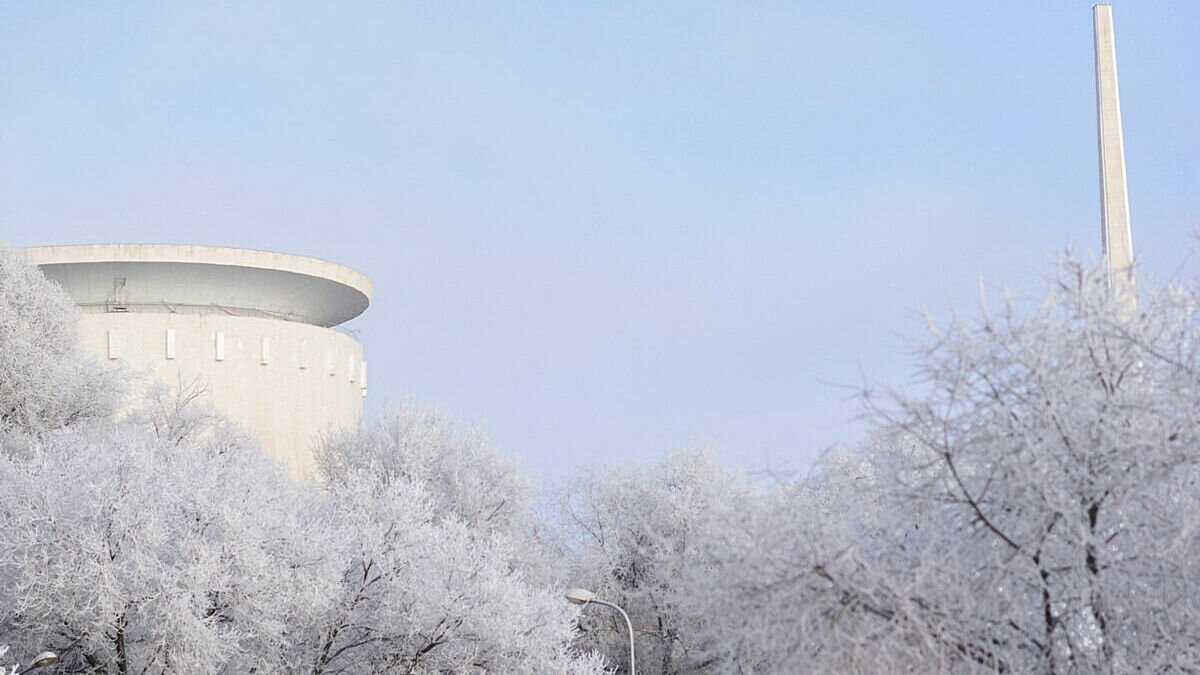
[{"x": 289, "y": 287}]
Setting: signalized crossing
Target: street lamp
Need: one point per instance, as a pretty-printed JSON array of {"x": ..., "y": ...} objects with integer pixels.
[
  {"x": 41, "y": 661},
  {"x": 581, "y": 596}
]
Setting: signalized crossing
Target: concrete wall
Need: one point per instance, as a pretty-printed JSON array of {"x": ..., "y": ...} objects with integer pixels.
[{"x": 311, "y": 379}]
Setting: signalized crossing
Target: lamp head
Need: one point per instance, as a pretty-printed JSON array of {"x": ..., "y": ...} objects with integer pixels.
[
  {"x": 580, "y": 596},
  {"x": 44, "y": 659}
]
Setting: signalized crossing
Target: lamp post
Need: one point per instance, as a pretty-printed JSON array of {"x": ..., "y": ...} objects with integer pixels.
[
  {"x": 581, "y": 596},
  {"x": 41, "y": 661}
]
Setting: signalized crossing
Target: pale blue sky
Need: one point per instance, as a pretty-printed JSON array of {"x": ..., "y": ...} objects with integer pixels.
[{"x": 607, "y": 230}]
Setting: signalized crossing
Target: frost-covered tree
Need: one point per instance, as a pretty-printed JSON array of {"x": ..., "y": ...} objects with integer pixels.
[
  {"x": 46, "y": 381},
  {"x": 630, "y": 535},
  {"x": 180, "y": 414},
  {"x": 800, "y": 581},
  {"x": 128, "y": 554},
  {"x": 458, "y": 470},
  {"x": 1034, "y": 509},
  {"x": 130, "y": 551},
  {"x": 435, "y": 542}
]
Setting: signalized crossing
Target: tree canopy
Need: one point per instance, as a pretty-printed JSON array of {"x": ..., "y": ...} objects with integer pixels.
[{"x": 1030, "y": 506}]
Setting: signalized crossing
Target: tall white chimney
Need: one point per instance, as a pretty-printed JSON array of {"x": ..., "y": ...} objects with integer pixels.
[{"x": 1115, "y": 234}]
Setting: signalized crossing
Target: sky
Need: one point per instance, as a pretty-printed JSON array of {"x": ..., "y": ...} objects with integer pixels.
[{"x": 607, "y": 231}]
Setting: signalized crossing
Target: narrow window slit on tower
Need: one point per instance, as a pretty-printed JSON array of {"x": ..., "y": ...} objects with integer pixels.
[
  {"x": 170, "y": 343},
  {"x": 219, "y": 345}
]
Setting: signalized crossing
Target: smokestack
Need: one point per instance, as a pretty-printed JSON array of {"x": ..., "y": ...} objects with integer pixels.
[{"x": 1115, "y": 234}]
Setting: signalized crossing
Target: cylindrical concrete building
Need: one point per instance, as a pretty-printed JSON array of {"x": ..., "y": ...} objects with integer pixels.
[{"x": 252, "y": 327}]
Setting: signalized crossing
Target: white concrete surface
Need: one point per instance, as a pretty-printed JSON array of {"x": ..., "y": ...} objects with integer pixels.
[
  {"x": 292, "y": 287},
  {"x": 249, "y": 326}
]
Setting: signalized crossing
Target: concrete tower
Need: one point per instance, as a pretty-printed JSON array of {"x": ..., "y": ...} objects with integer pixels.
[
  {"x": 1115, "y": 234},
  {"x": 251, "y": 327}
]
